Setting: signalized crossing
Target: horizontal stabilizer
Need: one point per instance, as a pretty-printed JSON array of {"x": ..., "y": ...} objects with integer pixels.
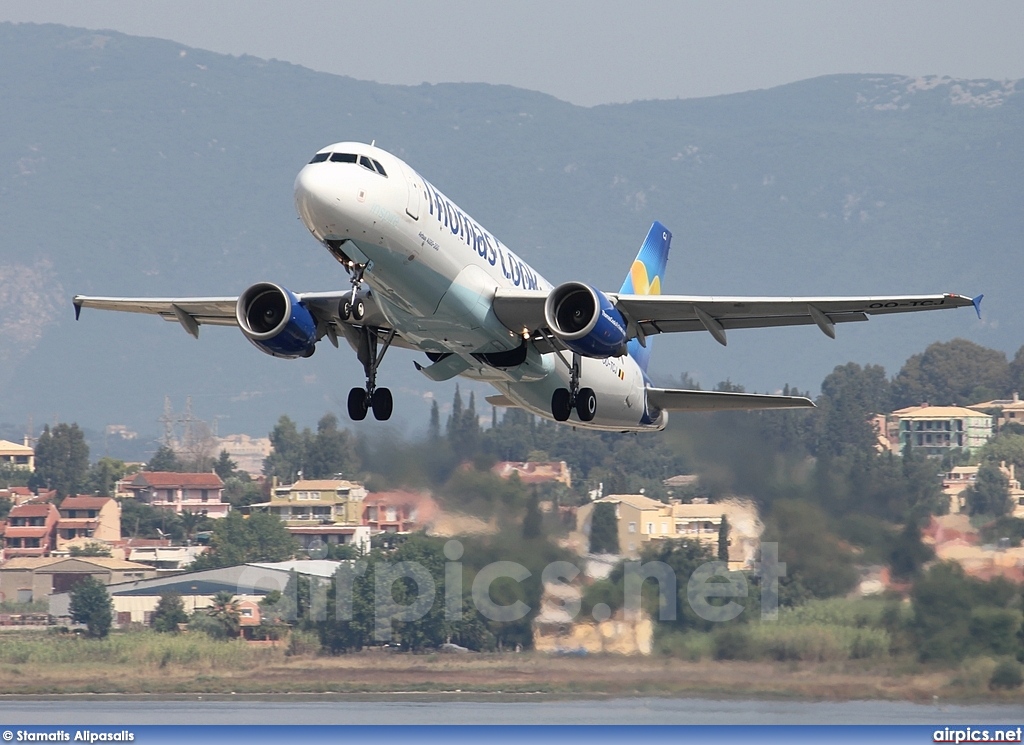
[{"x": 674, "y": 399}]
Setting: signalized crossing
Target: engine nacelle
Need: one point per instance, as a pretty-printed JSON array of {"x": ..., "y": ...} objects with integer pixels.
[
  {"x": 585, "y": 320},
  {"x": 273, "y": 319}
]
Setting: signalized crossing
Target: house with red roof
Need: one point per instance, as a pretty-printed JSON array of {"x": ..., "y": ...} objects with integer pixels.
[
  {"x": 31, "y": 530},
  {"x": 198, "y": 493},
  {"x": 88, "y": 519}
]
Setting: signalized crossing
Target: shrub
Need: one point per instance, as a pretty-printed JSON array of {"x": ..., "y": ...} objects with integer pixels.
[
  {"x": 1006, "y": 675},
  {"x": 733, "y": 643}
]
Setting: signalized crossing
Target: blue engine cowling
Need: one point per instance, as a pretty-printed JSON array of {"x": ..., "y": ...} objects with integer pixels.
[
  {"x": 274, "y": 319},
  {"x": 585, "y": 320}
]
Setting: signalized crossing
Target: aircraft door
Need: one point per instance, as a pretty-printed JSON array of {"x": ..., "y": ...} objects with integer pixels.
[{"x": 415, "y": 184}]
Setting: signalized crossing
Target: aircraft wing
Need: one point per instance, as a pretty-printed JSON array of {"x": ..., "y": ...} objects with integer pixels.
[
  {"x": 658, "y": 314},
  {"x": 193, "y": 312},
  {"x": 673, "y": 399}
]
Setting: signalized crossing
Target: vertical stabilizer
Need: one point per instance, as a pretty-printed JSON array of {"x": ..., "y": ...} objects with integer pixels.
[{"x": 645, "y": 278}]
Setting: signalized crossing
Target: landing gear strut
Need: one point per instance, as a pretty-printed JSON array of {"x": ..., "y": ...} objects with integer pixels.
[
  {"x": 564, "y": 400},
  {"x": 351, "y": 307},
  {"x": 361, "y": 400}
]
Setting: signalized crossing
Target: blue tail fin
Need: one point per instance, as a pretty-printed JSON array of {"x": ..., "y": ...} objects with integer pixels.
[{"x": 645, "y": 277}]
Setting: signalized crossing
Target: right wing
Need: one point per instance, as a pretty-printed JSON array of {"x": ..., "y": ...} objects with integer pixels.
[
  {"x": 674, "y": 399},
  {"x": 193, "y": 312}
]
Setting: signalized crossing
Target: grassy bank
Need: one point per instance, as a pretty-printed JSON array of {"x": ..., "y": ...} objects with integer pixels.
[{"x": 145, "y": 662}]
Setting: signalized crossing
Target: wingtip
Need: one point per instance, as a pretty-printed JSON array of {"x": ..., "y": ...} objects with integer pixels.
[
  {"x": 78, "y": 308},
  {"x": 976, "y": 302}
]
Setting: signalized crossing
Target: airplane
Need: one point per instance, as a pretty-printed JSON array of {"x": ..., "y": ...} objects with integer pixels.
[{"x": 426, "y": 276}]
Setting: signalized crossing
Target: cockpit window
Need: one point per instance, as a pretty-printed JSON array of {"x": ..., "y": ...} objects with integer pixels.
[{"x": 368, "y": 163}]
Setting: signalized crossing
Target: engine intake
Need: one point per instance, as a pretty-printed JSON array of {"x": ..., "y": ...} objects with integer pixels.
[
  {"x": 585, "y": 320},
  {"x": 274, "y": 320}
]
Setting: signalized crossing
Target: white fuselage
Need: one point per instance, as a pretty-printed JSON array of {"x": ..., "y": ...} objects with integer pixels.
[{"x": 433, "y": 271}]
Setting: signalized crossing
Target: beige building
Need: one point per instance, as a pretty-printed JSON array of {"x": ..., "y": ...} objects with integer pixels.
[
  {"x": 86, "y": 520},
  {"x": 25, "y": 580},
  {"x": 642, "y": 519},
  {"x": 1006, "y": 410},
  {"x": 17, "y": 456},
  {"x": 320, "y": 511},
  {"x": 247, "y": 452},
  {"x": 316, "y": 501},
  {"x": 955, "y": 481},
  {"x": 935, "y": 430}
]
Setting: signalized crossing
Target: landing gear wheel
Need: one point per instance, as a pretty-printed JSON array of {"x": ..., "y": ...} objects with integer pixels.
[
  {"x": 382, "y": 404},
  {"x": 561, "y": 405},
  {"x": 345, "y": 309},
  {"x": 358, "y": 310},
  {"x": 586, "y": 404},
  {"x": 358, "y": 404}
]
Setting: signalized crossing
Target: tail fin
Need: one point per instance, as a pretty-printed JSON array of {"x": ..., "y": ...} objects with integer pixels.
[{"x": 644, "y": 278}]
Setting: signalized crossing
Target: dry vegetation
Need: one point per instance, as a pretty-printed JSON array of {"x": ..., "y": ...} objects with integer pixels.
[{"x": 147, "y": 663}]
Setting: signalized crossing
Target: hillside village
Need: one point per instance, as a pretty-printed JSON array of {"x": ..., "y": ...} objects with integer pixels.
[{"x": 878, "y": 510}]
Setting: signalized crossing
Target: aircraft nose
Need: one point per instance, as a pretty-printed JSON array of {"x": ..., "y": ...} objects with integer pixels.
[{"x": 314, "y": 196}]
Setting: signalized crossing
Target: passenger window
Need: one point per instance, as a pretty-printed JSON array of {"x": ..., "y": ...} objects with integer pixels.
[
  {"x": 365, "y": 162},
  {"x": 320, "y": 157},
  {"x": 343, "y": 158},
  {"x": 380, "y": 168}
]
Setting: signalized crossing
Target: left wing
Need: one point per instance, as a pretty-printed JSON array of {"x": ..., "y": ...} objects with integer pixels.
[{"x": 659, "y": 314}]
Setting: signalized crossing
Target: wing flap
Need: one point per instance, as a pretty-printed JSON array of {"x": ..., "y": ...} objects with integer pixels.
[{"x": 675, "y": 399}]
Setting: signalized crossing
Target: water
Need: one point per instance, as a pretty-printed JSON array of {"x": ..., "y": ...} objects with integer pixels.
[{"x": 142, "y": 710}]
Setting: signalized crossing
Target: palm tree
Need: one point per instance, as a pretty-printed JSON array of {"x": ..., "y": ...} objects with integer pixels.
[
  {"x": 226, "y": 612},
  {"x": 190, "y": 522}
]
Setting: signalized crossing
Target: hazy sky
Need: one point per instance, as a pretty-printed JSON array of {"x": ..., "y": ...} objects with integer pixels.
[{"x": 588, "y": 53}]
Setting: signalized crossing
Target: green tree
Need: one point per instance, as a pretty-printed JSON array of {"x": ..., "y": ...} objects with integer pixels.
[
  {"x": 990, "y": 493},
  {"x": 1006, "y": 446},
  {"x": 62, "y": 459},
  {"x": 604, "y": 529},
  {"x": 240, "y": 540},
  {"x": 908, "y": 553},
  {"x": 93, "y": 548},
  {"x": 954, "y": 372},
  {"x": 165, "y": 459},
  {"x": 849, "y": 396},
  {"x": 169, "y": 613},
  {"x": 723, "y": 540},
  {"x": 226, "y": 612},
  {"x": 330, "y": 452},
  {"x": 288, "y": 456},
  {"x": 225, "y": 467},
  {"x": 141, "y": 520},
  {"x": 103, "y": 476},
  {"x": 91, "y": 605},
  {"x": 533, "y": 519}
]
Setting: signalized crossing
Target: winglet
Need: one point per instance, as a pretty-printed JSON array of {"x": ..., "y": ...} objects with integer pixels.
[
  {"x": 78, "y": 308},
  {"x": 976, "y": 302}
]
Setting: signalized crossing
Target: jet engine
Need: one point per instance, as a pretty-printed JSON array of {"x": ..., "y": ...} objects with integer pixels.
[
  {"x": 585, "y": 320},
  {"x": 274, "y": 319}
]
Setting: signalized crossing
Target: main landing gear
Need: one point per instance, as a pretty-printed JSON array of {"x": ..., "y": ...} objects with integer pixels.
[
  {"x": 564, "y": 400},
  {"x": 361, "y": 400}
]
